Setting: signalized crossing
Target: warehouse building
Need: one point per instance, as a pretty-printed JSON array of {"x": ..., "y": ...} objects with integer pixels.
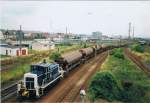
[
  {"x": 42, "y": 44},
  {"x": 13, "y": 50}
]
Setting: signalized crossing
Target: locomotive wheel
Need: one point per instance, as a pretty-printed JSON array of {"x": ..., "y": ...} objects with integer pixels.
[{"x": 41, "y": 92}]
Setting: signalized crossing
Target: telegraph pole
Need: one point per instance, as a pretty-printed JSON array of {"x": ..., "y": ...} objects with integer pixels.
[
  {"x": 66, "y": 30},
  {"x": 20, "y": 37}
]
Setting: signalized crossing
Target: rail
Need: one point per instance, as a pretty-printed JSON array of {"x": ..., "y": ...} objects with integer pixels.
[
  {"x": 72, "y": 92},
  {"x": 137, "y": 61},
  {"x": 8, "y": 91}
]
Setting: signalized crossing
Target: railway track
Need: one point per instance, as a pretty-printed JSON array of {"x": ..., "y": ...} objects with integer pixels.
[
  {"x": 137, "y": 61},
  {"x": 8, "y": 92},
  {"x": 68, "y": 90},
  {"x": 73, "y": 94}
]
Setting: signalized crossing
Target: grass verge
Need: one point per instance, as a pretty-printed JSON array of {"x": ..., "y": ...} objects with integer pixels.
[{"x": 132, "y": 83}]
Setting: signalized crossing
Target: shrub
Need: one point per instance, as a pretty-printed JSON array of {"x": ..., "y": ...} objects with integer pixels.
[
  {"x": 84, "y": 46},
  {"x": 118, "y": 53},
  {"x": 104, "y": 85},
  {"x": 55, "y": 55},
  {"x": 138, "y": 48},
  {"x": 133, "y": 93}
]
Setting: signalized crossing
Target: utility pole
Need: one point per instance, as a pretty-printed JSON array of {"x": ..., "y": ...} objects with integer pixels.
[
  {"x": 66, "y": 30},
  {"x": 120, "y": 40},
  {"x": 129, "y": 30},
  {"x": 66, "y": 37},
  {"x": 20, "y": 36}
]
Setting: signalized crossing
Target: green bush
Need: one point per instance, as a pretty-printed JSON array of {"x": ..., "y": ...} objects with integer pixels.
[
  {"x": 137, "y": 48},
  {"x": 133, "y": 93},
  {"x": 55, "y": 55},
  {"x": 84, "y": 46},
  {"x": 104, "y": 85},
  {"x": 118, "y": 53}
]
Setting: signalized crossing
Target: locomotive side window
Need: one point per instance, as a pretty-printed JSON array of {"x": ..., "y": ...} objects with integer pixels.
[
  {"x": 48, "y": 73},
  {"x": 55, "y": 70},
  {"x": 40, "y": 71}
]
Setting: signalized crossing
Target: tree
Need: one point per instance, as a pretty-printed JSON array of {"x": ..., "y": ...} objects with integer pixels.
[
  {"x": 104, "y": 85},
  {"x": 55, "y": 55}
]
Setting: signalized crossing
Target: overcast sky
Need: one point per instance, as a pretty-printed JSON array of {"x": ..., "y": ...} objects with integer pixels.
[{"x": 110, "y": 17}]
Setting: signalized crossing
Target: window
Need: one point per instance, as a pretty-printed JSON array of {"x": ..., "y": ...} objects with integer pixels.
[
  {"x": 45, "y": 45},
  {"x": 23, "y": 52},
  {"x": 6, "y": 52},
  {"x": 39, "y": 70}
]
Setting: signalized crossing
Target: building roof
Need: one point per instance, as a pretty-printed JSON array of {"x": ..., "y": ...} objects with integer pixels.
[
  {"x": 9, "y": 46},
  {"x": 43, "y": 41}
]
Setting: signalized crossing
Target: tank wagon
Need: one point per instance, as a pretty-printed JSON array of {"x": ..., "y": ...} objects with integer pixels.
[
  {"x": 98, "y": 49},
  {"x": 105, "y": 47},
  {"x": 87, "y": 53},
  {"x": 70, "y": 60},
  {"x": 45, "y": 74}
]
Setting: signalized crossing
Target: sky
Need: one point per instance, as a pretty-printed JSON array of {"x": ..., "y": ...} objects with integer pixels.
[{"x": 80, "y": 17}]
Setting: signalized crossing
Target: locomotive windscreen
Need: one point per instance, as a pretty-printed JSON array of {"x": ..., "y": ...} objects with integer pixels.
[{"x": 39, "y": 70}]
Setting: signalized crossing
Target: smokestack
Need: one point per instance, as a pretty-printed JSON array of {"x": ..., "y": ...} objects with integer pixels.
[
  {"x": 133, "y": 32},
  {"x": 129, "y": 30},
  {"x": 66, "y": 30}
]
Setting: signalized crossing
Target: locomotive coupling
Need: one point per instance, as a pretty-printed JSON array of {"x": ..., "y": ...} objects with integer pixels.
[{"x": 25, "y": 93}]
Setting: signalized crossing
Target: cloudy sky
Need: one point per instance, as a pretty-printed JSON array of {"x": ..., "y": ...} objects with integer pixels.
[{"x": 110, "y": 17}]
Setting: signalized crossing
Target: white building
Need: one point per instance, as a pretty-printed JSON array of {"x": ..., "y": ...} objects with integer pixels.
[
  {"x": 42, "y": 44},
  {"x": 13, "y": 50}
]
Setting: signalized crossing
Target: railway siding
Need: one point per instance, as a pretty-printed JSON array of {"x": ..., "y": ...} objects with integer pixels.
[
  {"x": 9, "y": 91},
  {"x": 73, "y": 94},
  {"x": 137, "y": 61}
]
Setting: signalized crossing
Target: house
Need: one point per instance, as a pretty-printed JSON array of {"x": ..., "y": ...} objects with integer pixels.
[
  {"x": 13, "y": 50},
  {"x": 42, "y": 44}
]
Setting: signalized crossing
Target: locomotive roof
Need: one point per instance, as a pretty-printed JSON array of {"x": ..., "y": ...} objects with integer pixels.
[{"x": 45, "y": 64}]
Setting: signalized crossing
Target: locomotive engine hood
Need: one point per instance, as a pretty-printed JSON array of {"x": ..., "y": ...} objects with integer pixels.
[{"x": 33, "y": 76}]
